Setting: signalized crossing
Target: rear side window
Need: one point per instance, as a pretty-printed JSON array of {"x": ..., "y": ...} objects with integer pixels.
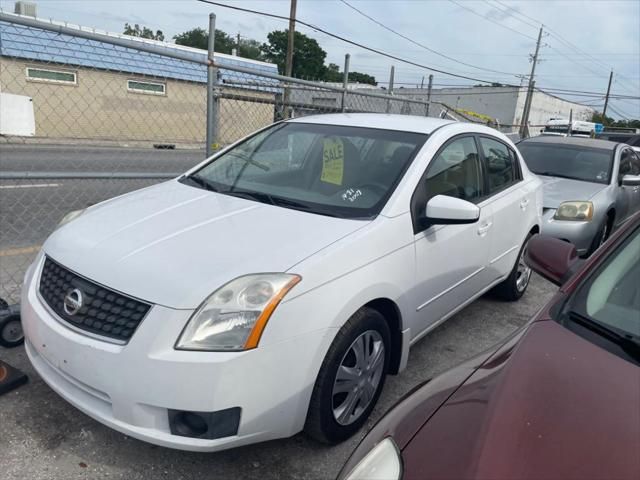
[{"x": 502, "y": 170}]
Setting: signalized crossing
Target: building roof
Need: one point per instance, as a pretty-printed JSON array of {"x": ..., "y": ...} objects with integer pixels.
[
  {"x": 575, "y": 141},
  {"x": 29, "y": 43},
  {"x": 405, "y": 123}
]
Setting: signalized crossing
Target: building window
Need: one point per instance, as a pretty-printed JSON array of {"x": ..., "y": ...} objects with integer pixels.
[
  {"x": 52, "y": 76},
  {"x": 152, "y": 88}
]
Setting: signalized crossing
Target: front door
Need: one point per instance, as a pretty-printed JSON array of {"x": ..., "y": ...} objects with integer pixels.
[
  {"x": 451, "y": 259},
  {"x": 628, "y": 198}
]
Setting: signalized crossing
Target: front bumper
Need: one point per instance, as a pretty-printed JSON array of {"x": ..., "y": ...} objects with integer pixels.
[
  {"x": 581, "y": 234},
  {"x": 132, "y": 387}
]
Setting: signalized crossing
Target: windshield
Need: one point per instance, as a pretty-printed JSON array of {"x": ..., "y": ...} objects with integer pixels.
[
  {"x": 611, "y": 297},
  {"x": 326, "y": 169},
  {"x": 568, "y": 161}
]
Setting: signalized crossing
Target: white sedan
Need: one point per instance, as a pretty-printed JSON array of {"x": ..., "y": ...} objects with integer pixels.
[{"x": 272, "y": 288}]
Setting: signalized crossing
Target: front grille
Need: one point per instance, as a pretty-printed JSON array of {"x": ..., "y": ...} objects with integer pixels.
[{"x": 101, "y": 311}]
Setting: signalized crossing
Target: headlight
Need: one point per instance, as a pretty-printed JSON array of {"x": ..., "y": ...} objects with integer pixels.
[
  {"x": 579, "y": 211},
  {"x": 234, "y": 316},
  {"x": 70, "y": 216},
  {"x": 383, "y": 462}
]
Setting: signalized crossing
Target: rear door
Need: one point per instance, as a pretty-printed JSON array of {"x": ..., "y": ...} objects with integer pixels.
[{"x": 512, "y": 204}]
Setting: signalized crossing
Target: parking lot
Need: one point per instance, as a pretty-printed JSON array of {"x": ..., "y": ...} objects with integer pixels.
[{"x": 43, "y": 437}]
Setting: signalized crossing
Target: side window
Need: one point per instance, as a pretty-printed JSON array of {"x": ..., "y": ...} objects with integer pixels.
[
  {"x": 625, "y": 162},
  {"x": 456, "y": 171},
  {"x": 502, "y": 170},
  {"x": 629, "y": 163},
  {"x": 635, "y": 163}
]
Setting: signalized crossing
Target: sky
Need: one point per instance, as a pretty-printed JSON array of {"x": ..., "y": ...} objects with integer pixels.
[{"x": 583, "y": 39}]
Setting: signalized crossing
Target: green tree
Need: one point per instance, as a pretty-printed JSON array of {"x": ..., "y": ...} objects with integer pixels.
[
  {"x": 362, "y": 78},
  {"x": 308, "y": 56},
  {"x": 597, "y": 117},
  {"x": 199, "y": 38},
  {"x": 224, "y": 43},
  {"x": 333, "y": 73},
  {"x": 143, "y": 32},
  {"x": 250, "y": 48}
]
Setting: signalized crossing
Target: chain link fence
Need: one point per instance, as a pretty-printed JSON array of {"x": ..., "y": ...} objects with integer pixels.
[{"x": 88, "y": 116}]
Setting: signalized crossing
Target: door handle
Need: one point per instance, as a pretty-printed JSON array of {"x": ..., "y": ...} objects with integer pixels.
[
  {"x": 524, "y": 203},
  {"x": 483, "y": 229}
]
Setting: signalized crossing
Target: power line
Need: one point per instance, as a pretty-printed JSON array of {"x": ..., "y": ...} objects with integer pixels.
[
  {"x": 346, "y": 40},
  {"x": 559, "y": 37},
  {"x": 535, "y": 26},
  {"x": 394, "y": 57},
  {"x": 377, "y": 22},
  {"x": 493, "y": 21}
]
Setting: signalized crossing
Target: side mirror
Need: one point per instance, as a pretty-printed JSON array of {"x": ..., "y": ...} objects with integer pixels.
[
  {"x": 445, "y": 210},
  {"x": 630, "y": 181},
  {"x": 551, "y": 257}
]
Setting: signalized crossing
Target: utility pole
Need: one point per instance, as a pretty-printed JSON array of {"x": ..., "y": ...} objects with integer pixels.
[
  {"x": 527, "y": 102},
  {"x": 290, "y": 45},
  {"x": 429, "y": 93},
  {"x": 238, "y": 43},
  {"x": 422, "y": 83},
  {"x": 606, "y": 100}
]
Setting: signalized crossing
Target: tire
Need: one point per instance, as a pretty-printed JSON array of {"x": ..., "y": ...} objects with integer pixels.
[
  {"x": 513, "y": 287},
  {"x": 601, "y": 236},
  {"x": 339, "y": 407},
  {"x": 11, "y": 334}
]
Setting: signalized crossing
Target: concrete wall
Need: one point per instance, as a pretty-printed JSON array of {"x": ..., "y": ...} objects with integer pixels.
[
  {"x": 100, "y": 107},
  {"x": 506, "y": 104},
  {"x": 544, "y": 107},
  {"x": 495, "y": 102}
]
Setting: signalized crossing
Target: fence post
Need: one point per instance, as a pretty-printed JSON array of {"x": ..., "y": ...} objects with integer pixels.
[
  {"x": 345, "y": 82},
  {"x": 390, "y": 88},
  {"x": 212, "y": 94}
]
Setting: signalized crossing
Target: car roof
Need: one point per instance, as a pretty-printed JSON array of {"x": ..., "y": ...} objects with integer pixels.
[
  {"x": 574, "y": 141},
  {"x": 404, "y": 123}
]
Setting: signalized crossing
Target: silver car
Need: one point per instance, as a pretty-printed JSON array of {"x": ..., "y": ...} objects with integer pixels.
[{"x": 590, "y": 187}]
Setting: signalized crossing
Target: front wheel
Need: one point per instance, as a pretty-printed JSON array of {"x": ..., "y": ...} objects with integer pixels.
[
  {"x": 514, "y": 286},
  {"x": 600, "y": 237},
  {"x": 350, "y": 379}
]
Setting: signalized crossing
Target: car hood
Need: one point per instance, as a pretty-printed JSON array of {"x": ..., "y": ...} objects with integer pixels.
[
  {"x": 555, "y": 406},
  {"x": 558, "y": 190},
  {"x": 173, "y": 244}
]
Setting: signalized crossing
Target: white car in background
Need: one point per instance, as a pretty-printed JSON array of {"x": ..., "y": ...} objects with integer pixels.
[{"x": 272, "y": 288}]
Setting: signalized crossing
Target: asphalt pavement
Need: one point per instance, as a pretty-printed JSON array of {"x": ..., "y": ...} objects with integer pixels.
[
  {"x": 43, "y": 437},
  {"x": 30, "y": 208}
]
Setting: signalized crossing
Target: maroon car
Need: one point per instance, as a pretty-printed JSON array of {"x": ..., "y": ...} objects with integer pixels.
[{"x": 560, "y": 399}]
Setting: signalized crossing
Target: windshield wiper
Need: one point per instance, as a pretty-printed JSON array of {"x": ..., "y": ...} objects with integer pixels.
[
  {"x": 249, "y": 160},
  {"x": 201, "y": 182},
  {"x": 257, "y": 196},
  {"x": 627, "y": 341}
]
